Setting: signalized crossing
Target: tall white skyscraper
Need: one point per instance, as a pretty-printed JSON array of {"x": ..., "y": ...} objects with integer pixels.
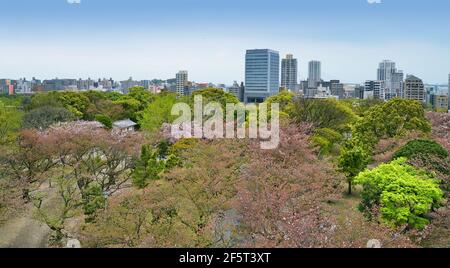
[
  {"x": 393, "y": 79},
  {"x": 182, "y": 82},
  {"x": 314, "y": 74},
  {"x": 289, "y": 72}
]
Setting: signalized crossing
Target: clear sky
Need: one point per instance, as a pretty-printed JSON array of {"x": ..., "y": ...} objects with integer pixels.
[{"x": 156, "y": 38}]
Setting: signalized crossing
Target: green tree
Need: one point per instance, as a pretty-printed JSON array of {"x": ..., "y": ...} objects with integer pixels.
[
  {"x": 158, "y": 112},
  {"x": 391, "y": 119},
  {"x": 10, "y": 120},
  {"x": 285, "y": 99},
  {"x": 360, "y": 107},
  {"x": 352, "y": 161},
  {"x": 323, "y": 114},
  {"x": 103, "y": 103},
  {"x": 427, "y": 155},
  {"x": 326, "y": 139},
  {"x": 215, "y": 95},
  {"x": 135, "y": 102},
  {"x": 421, "y": 148},
  {"x": 43, "y": 117},
  {"x": 40, "y": 100},
  {"x": 93, "y": 199},
  {"x": 152, "y": 163},
  {"x": 105, "y": 120},
  {"x": 75, "y": 102},
  {"x": 404, "y": 194}
]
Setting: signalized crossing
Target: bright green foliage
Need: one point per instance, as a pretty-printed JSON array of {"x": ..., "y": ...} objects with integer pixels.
[
  {"x": 215, "y": 95},
  {"x": 326, "y": 139},
  {"x": 13, "y": 101},
  {"x": 86, "y": 105},
  {"x": 44, "y": 100},
  {"x": 331, "y": 118},
  {"x": 285, "y": 99},
  {"x": 44, "y": 117},
  {"x": 152, "y": 163},
  {"x": 323, "y": 114},
  {"x": 403, "y": 193},
  {"x": 143, "y": 96},
  {"x": 74, "y": 102},
  {"x": 158, "y": 112},
  {"x": 105, "y": 120},
  {"x": 421, "y": 148},
  {"x": 135, "y": 102},
  {"x": 10, "y": 120},
  {"x": 391, "y": 119},
  {"x": 352, "y": 161},
  {"x": 130, "y": 106}
]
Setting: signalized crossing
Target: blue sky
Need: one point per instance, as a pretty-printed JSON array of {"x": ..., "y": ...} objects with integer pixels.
[{"x": 156, "y": 38}]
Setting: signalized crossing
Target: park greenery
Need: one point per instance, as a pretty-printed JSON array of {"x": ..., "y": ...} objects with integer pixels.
[
  {"x": 345, "y": 172},
  {"x": 404, "y": 194}
]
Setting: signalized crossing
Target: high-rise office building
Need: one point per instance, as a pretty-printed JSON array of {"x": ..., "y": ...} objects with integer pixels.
[
  {"x": 314, "y": 74},
  {"x": 262, "y": 74},
  {"x": 392, "y": 80},
  {"x": 337, "y": 88},
  {"x": 182, "y": 82},
  {"x": 289, "y": 72},
  {"x": 414, "y": 89},
  {"x": 373, "y": 89}
]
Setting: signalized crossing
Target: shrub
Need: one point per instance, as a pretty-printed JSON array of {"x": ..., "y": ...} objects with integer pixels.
[
  {"x": 404, "y": 194},
  {"x": 421, "y": 148},
  {"x": 427, "y": 155}
]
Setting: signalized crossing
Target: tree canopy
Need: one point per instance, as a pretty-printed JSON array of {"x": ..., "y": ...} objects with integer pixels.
[
  {"x": 44, "y": 117},
  {"x": 392, "y": 118},
  {"x": 403, "y": 193}
]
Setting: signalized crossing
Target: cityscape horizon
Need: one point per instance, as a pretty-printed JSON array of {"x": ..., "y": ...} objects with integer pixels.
[
  {"x": 225, "y": 130},
  {"x": 155, "y": 40}
]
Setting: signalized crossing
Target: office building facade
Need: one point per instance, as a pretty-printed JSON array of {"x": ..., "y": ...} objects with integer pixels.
[
  {"x": 440, "y": 103},
  {"x": 262, "y": 74},
  {"x": 289, "y": 73},
  {"x": 392, "y": 80},
  {"x": 373, "y": 89},
  {"x": 181, "y": 82},
  {"x": 414, "y": 89},
  {"x": 314, "y": 74}
]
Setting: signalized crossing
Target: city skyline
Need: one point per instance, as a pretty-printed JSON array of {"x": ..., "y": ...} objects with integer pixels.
[{"x": 141, "y": 39}]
